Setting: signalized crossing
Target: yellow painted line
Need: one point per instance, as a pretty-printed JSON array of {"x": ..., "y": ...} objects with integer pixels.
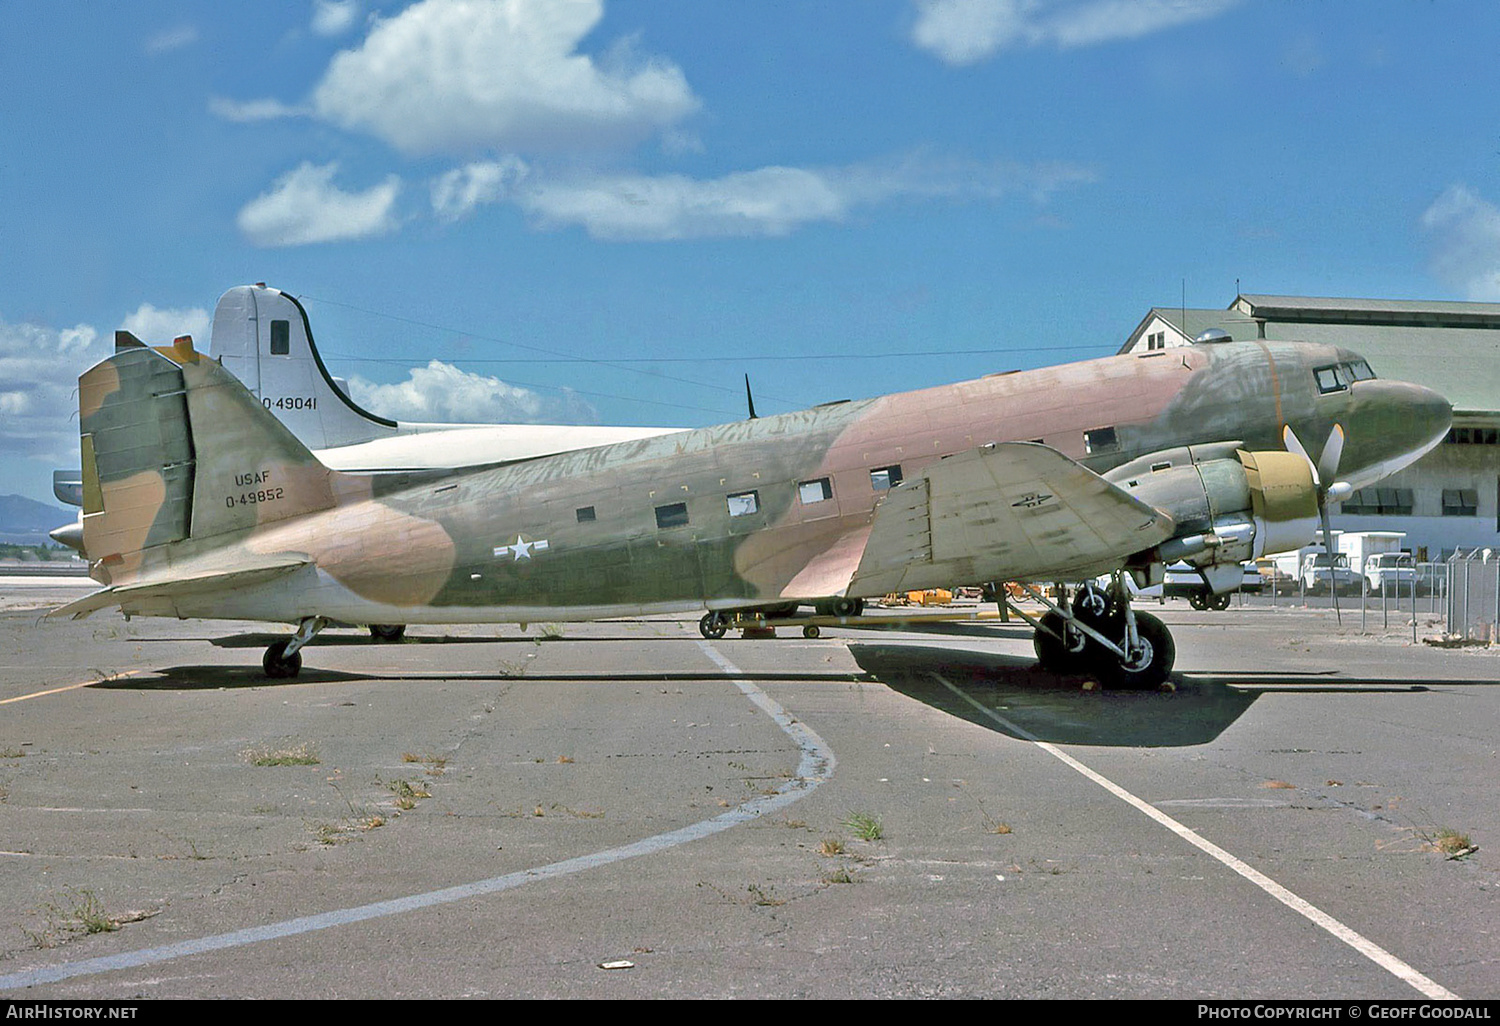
[{"x": 72, "y": 687}]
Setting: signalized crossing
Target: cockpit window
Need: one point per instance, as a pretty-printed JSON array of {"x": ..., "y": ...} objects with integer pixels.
[
  {"x": 1330, "y": 380},
  {"x": 1359, "y": 370}
]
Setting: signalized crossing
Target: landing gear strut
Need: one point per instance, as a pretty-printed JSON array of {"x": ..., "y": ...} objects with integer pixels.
[
  {"x": 284, "y": 658},
  {"x": 1098, "y": 633}
]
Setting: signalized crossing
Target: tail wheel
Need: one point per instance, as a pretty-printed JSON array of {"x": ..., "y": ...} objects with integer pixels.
[
  {"x": 1150, "y": 663},
  {"x": 387, "y": 631},
  {"x": 281, "y": 666},
  {"x": 713, "y": 625}
]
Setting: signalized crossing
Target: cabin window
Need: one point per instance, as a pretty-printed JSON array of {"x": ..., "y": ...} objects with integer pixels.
[
  {"x": 586, "y": 514},
  {"x": 672, "y": 515},
  {"x": 884, "y": 478},
  {"x": 281, "y": 338},
  {"x": 1460, "y": 502},
  {"x": 742, "y": 504},
  {"x": 1330, "y": 380},
  {"x": 810, "y": 492},
  {"x": 1100, "y": 440}
]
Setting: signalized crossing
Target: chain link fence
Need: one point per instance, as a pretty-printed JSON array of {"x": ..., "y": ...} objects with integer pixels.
[{"x": 1472, "y": 593}]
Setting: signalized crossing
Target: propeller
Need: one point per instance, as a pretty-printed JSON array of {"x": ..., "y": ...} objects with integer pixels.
[{"x": 1325, "y": 473}]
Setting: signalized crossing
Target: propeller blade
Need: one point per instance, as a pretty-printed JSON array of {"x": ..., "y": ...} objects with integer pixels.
[
  {"x": 1333, "y": 449},
  {"x": 1294, "y": 444},
  {"x": 749, "y": 399},
  {"x": 1333, "y": 575}
]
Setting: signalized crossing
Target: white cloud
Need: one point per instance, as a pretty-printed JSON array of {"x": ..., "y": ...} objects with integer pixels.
[
  {"x": 171, "y": 39},
  {"x": 334, "y": 17},
  {"x": 304, "y": 206},
  {"x": 39, "y": 368},
  {"x": 160, "y": 326},
  {"x": 457, "y": 193},
  {"x": 461, "y": 75},
  {"x": 770, "y": 201},
  {"x": 1465, "y": 234},
  {"x": 442, "y": 393},
  {"x": 967, "y": 31},
  {"x": 251, "y": 110}
]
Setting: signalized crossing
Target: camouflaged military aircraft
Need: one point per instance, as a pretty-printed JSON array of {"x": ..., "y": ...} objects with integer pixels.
[{"x": 198, "y": 503}]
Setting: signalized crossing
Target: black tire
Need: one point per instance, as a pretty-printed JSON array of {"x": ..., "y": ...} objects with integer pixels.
[
  {"x": 1198, "y": 600},
  {"x": 1053, "y": 653},
  {"x": 784, "y": 611},
  {"x": 1219, "y": 603},
  {"x": 387, "y": 632},
  {"x": 713, "y": 626},
  {"x": 811, "y": 631},
  {"x": 279, "y": 666},
  {"x": 1152, "y": 663},
  {"x": 848, "y": 606}
]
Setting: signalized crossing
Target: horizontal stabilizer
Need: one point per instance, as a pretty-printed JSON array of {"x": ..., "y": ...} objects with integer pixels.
[
  {"x": 1015, "y": 511},
  {"x": 186, "y": 581}
]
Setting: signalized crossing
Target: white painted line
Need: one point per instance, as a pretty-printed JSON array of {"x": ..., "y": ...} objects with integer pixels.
[
  {"x": 816, "y": 766},
  {"x": 1374, "y": 952}
]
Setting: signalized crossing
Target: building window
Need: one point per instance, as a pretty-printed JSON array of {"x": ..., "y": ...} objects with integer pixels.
[
  {"x": 586, "y": 515},
  {"x": 1391, "y": 502},
  {"x": 1100, "y": 440},
  {"x": 742, "y": 504},
  {"x": 1460, "y": 502},
  {"x": 1474, "y": 436},
  {"x": 672, "y": 515},
  {"x": 885, "y": 478},
  {"x": 810, "y": 492},
  {"x": 281, "y": 338}
]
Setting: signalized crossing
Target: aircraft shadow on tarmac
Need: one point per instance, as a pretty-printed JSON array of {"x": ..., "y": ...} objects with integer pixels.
[
  {"x": 329, "y": 639},
  {"x": 217, "y": 676},
  {"x": 1028, "y": 700}
]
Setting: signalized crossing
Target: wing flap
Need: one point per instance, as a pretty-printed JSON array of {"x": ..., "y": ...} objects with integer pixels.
[{"x": 1012, "y": 511}]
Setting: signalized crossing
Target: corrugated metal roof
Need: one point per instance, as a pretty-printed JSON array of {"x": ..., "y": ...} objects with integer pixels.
[
  {"x": 1395, "y": 312},
  {"x": 1451, "y": 347}
]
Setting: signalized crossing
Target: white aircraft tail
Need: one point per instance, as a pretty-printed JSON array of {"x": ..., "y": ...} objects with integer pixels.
[{"x": 262, "y": 336}]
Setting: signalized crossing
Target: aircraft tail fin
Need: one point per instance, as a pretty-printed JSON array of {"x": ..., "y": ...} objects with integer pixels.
[
  {"x": 263, "y": 337},
  {"x": 176, "y": 453}
]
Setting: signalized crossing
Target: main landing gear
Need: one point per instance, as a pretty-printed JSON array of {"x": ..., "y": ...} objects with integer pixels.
[
  {"x": 284, "y": 658},
  {"x": 1099, "y": 634}
]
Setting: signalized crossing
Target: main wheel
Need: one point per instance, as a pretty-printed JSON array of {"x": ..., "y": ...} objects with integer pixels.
[
  {"x": 839, "y": 607},
  {"x": 281, "y": 666},
  {"x": 1219, "y": 603},
  {"x": 387, "y": 631},
  {"x": 713, "y": 625},
  {"x": 1198, "y": 600},
  {"x": 1150, "y": 663},
  {"x": 1065, "y": 654}
]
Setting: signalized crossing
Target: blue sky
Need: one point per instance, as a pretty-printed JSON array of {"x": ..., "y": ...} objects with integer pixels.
[{"x": 611, "y": 210}]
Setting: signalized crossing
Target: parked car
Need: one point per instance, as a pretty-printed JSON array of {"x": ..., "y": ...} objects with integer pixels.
[
  {"x": 1322, "y": 572},
  {"x": 1184, "y": 581},
  {"x": 1393, "y": 570}
]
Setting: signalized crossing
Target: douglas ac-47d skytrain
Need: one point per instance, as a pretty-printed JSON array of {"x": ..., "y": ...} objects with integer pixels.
[{"x": 199, "y": 503}]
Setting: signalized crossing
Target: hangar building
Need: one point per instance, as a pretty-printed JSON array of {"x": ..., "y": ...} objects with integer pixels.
[{"x": 1448, "y": 500}]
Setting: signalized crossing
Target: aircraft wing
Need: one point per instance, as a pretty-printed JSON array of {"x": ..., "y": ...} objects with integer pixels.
[
  {"x": 185, "y": 582},
  {"x": 1014, "y": 511}
]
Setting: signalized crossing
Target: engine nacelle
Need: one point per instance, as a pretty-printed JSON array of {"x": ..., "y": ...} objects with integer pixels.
[{"x": 1229, "y": 505}]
